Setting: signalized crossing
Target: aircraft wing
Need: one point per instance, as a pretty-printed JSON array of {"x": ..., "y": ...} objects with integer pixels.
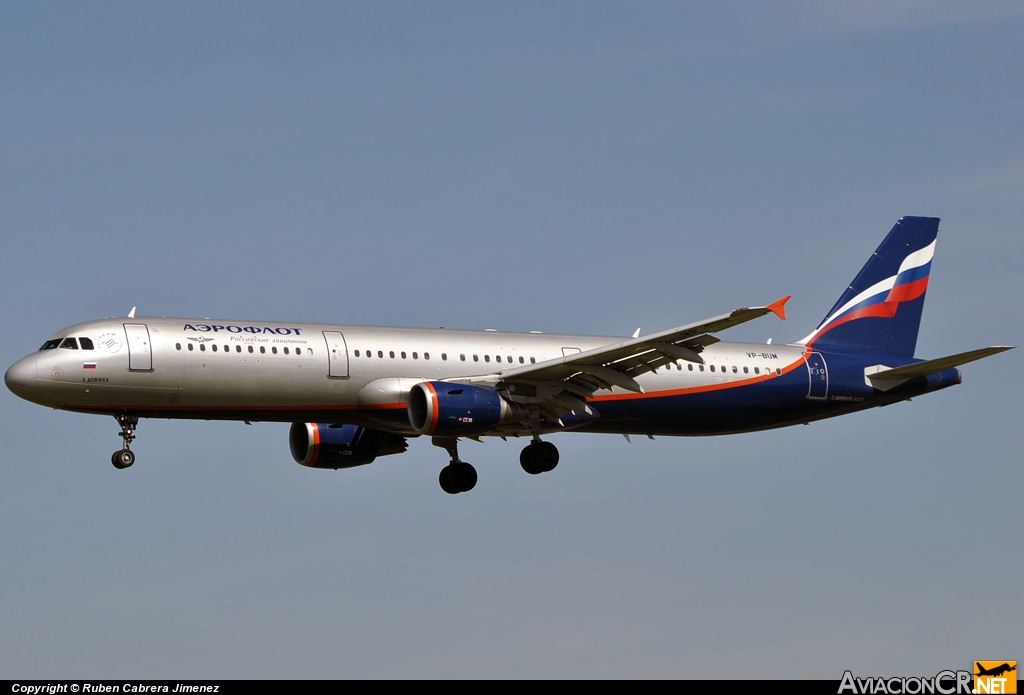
[
  {"x": 884, "y": 378},
  {"x": 561, "y": 384}
]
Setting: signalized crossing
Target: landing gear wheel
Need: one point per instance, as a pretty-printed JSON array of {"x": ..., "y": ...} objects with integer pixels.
[
  {"x": 526, "y": 460},
  {"x": 122, "y": 459},
  {"x": 458, "y": 476},
  {"x": 446, "y": 483},
  {"x": 539, "y": 457},
  {"x": 462, "y": 476},
  {"x": 547, "y": 457}
]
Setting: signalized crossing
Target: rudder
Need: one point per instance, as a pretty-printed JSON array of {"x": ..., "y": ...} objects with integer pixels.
[{"x": 881, "y": 309}]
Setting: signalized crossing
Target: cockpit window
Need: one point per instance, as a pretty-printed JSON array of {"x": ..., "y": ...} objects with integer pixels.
[
  {"x": 50, "y": 344},
  {"x": 86, "y": 343},
  {"x": 69, "y": 344}
]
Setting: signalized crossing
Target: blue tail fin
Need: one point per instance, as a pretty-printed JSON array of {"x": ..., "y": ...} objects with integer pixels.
[{"x": 881, "y": 309}]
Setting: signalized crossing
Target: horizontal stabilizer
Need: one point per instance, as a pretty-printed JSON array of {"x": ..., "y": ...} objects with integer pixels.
[{"x": 885, "y": 378}]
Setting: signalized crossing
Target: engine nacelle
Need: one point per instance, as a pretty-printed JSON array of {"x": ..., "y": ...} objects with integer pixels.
[
  {"x": 445, "y": 409},
  {"x": 323, "y": 445}
]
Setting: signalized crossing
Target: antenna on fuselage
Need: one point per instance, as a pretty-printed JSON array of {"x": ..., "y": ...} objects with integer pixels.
[{"x": 131, "y": 314}]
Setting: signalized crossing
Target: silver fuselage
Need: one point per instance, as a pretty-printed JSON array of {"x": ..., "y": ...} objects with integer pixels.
[{"x": 295, "y": 372}]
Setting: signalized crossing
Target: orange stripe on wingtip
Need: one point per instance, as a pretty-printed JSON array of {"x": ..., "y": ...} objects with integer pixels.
[{"x": 779, "y": 307}]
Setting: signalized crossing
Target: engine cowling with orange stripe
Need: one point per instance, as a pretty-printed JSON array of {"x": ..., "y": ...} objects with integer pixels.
[
  {"x": 446, "y": 409},
  {"x": 324, "y": 445}
]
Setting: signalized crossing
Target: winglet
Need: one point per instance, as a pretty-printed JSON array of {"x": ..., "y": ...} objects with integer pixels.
[
  {"x": 131, "y": 314},
  {"x": 779, "y": 307}
]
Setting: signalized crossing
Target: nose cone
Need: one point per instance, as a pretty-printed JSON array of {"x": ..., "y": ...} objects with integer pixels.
[{"x": 21, "y": 377}]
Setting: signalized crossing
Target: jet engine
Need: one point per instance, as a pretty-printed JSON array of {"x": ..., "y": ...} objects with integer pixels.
[
  {"x": 446, "y": 409},
  {"x": 323, "y": 445}
]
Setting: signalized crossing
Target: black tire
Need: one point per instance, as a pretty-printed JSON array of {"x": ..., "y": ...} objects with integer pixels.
[
  {"x": 462, "y": 476},
  {"x": 122, "y": 459},
  {"x": 446, "y": 483},
  {"x": 547, "y": 457},
  {"x": 527, "y": 459}
]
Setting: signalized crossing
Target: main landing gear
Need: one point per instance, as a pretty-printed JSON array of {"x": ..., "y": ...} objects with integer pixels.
[
  {"x": 539, "y": 457},
  {"x": 458, "y": 476},
  {"x": 124, "y": 458}
]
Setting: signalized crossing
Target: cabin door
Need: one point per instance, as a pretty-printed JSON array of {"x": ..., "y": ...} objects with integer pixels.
[
  {"x": 337, "y": 355},
  {"x": 140, "y": 352},
  {"x": 817, "y": 372}
]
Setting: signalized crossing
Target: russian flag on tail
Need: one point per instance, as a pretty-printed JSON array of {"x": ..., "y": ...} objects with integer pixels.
[{"x": 888, "y": 294}]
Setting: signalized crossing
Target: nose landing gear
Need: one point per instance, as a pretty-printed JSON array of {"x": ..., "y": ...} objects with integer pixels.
[{"x": 124, "y": 458}]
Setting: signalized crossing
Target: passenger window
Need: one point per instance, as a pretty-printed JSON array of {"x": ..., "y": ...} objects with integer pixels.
[
  {"x": 86, "y": 343},
  {"x": 380, "y": 353},
  {"x": 746, "y": 370},
  {"x": 238, "y": 348},
  {"x": 214, "y": 347},
  {"x": 403, "y": 354},
  {"x": 734, "y": 370},
  {"x": 476, "y": 358},
  {"x": 227, "y": 348},
  {"x": 250, "y": 349},
  {"x": 415, "y": 355},
  {"x": 190, "y": 347},
  {"x": 274, "y": 350},
  {"x": 497, "y": 358},
  {"x": 712, "y": 367},
  {"x": 356, "y": 353},
  {"x": 426, "y": 355},
  {"x": 202, "y": 347},
  {"x": 690, "y": 366},
  {"x": 778, "y": 371},
  {"x": 487, "y": 358},
  {"x": 509, "y": 359},
  {"x": 533, "y": 360},
  {"x": 521, "y": 360},
  {"x": 757, "y": 370},
  {"x": 263, "y": 349},
  {"x": 69, "y": 344},
  {"x": 462, "y": 357},
  {"x": 700, "y": 367},
  {"x": 391, "y": 354},
  {"x": 444, "y": 356},
  {"x": 177, "y": 346},
  {"x": 286, "y": 351}
]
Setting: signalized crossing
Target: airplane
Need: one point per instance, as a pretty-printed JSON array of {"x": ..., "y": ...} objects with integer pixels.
[
  {"x": 995, "y": 671},
  {"x": 355, "y": 393}
]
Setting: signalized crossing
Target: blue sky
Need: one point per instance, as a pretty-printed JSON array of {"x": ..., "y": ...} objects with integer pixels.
[{"x": 574, "y": 167}]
